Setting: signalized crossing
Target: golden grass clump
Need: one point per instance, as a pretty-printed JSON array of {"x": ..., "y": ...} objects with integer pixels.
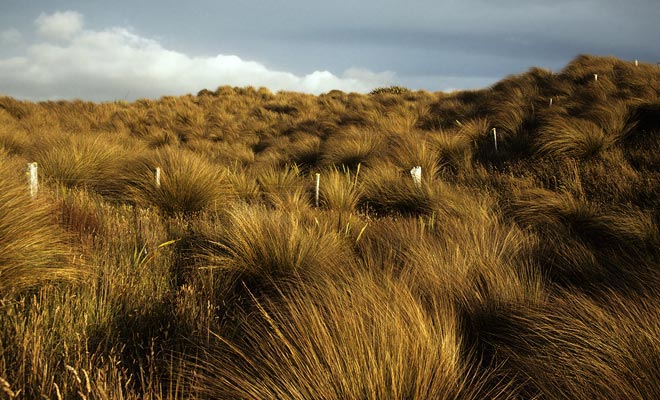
[
  {"x": 585, "y": 348},
  {"x": 258, "y": 245},
  {"x": 307, "y": 342},
  {"x": 340, "y": 190},
  {"x": 572, "y": 137},
  {"x": 80, "y": 161},
  {"x": 33, "y": 248},
  {"x": 188, "y": 183},
  {"x": 355, "y": 146}
]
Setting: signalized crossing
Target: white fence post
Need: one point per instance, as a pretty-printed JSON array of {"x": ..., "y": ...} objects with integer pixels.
[
  {"x": 157, "y": 177},
  {"x": 33, "y": 177},
  {"x": 316, "y": 189},
  {"x": 596, "y": 77},
  {"x": 495, "y": 138},
  {"x": 636, "y": 63},
  {"x": 416, "y": 174},
  {"x": 550, "y": 101}
]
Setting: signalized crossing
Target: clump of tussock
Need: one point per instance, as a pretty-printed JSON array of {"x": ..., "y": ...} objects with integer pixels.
[
  {"x": 308, "y": 341},
  {"x": 390, "y": 90},
  {"x": 188, "y": 182},
  {"x": 79, "y": 161},
  {"x": 340, "y": 190},
  {"x": 572, "y": 137},
  {"x": 391, "y": 191},
  {"x": 259, "y": 246},
  {"x": 579, "y": 347},
  {"x": 454, "y": 150},
  {"x": 284, "y": 188},
  {"x": 13, "y": 138},
  {"x": 581, "y": 244},
  {"x": 355, "y": 146},
  {"x": 414, "y": 149},
  {"x": 33, "y": 248}
]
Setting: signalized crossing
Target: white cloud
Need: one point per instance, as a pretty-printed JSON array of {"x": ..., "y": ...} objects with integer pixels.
[
  {"x": 10, "y": 36},
  {"x": 117, "y": 63},
  {"x": 61, "y": 25}
]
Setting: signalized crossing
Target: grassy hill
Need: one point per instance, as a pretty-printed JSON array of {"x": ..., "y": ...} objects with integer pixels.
[{"x": 524, "y": 263}]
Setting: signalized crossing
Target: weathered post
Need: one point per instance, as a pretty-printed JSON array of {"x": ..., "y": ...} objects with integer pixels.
[
  {"x": 316, "y": 190},
  {"x": 158, "y": 177},
  {"x": 33, "y": 178},
  {"x": 495, "y": 138},
  {"x": 416, "y": 174}
]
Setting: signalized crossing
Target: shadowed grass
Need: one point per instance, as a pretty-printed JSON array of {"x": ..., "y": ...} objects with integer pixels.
[{"x": 607, "y": 346}]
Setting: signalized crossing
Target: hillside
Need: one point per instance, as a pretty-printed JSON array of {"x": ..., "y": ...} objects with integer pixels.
[{"x": 523, "y": 263}]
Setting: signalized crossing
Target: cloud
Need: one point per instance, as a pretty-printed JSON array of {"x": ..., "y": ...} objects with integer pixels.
[
  {"x": 60, "y": 25},
  {"x": 117, "y": 63},
  {"x": 10, "y": 36}
]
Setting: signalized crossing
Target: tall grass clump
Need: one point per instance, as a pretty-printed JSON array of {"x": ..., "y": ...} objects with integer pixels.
[
  {"x": 356, "y": 146},
  {"x": 581, "y": 244},
  {"x": 455, "y": 149},
  {"x": 258, "y": 246},
  {"x": 361, "y": 337},
  {"x": 584, "y": 348},
  {"x": 32, "y": 246},
  {"x": 284, "y": 187},
  {"x": 388, "y": 190},
  {"x": 340, "y": 190},
  {"x": 572, "y": 137},
  {"x": 188, "y": 183},
  {"x": 79, "y": 161}
]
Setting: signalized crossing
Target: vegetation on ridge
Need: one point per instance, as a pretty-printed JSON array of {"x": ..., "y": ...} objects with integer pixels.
[{"x": 525, "y": 263}]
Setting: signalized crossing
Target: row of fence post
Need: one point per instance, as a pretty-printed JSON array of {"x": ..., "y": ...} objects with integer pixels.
[{"x": 33, "y": 180}]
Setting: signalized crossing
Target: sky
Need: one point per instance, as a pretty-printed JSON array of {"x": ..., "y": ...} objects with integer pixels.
[{"x": 129, "y": 49}]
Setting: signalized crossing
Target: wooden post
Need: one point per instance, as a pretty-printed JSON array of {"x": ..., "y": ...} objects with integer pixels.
[
  {"x": 495, "y": 138},
  {"x": 550, "y": 101},
  {"x": 33, "y": 178},
  {"x": 596, "y": 77},
  {"x": 636, "y": 63},
  {"x": 416, "y": 174},
  {"x": 316, "y": 191},
  {"x": 157, "y": 177}
]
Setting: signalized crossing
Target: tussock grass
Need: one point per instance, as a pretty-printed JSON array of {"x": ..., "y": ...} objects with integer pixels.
[
  {"x": 572, "y": 137},
  {"x": 259, "y": 246},
  {"x": 608, "y": 347},
  {"x": 79, "y": 161},
  {"x": 306, "y": 343},
  {"x": 389, "y": 190},
  {"x": 189, "y": 183},
  {"x": 340, "y": 190},
  {"x": 526, "y": 272},
  {"x": 356, "y": 146},
  {"x": 454, "y": 150},
  {"x": 32, "y": 246}
]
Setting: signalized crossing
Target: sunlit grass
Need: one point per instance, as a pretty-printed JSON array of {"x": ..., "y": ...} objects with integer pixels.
[{"x": 526, "y": 271}]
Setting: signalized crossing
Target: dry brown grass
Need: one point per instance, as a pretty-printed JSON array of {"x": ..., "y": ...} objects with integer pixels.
[{"x": 530, "y": 272}]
